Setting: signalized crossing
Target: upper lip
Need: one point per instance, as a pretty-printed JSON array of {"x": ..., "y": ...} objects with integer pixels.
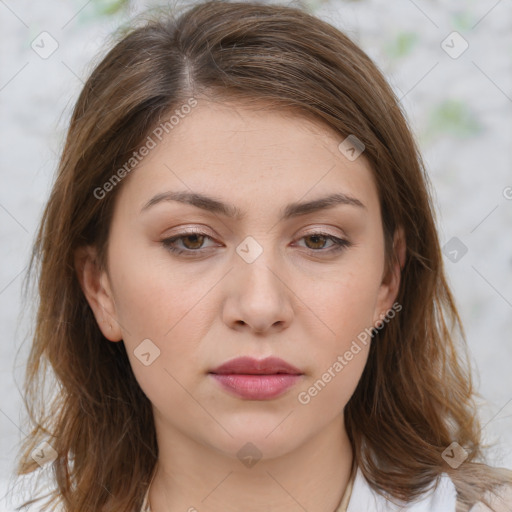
[{"x": 249, "y": 365}]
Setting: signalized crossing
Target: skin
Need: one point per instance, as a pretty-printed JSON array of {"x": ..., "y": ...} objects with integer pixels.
[{"x": 303, "y": 306}]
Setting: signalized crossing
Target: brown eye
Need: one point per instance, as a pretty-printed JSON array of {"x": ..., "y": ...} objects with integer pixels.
[
  {"x": 318, "y": 241},
  {"x": 192, "y": 244},
  {"x": 197, "y": 241},
  {"x": 186, "y": 243}
]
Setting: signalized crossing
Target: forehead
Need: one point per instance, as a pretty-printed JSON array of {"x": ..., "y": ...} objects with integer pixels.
[{"x": 249, "y": 155}]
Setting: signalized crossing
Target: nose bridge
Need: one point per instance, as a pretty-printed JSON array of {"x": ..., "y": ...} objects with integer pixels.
[
  {"x": 257, "y": 265},
  {"x": 259, "y": 296}
]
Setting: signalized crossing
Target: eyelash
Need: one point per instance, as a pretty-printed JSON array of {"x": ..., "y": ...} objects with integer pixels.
[{"x": 339, "y": 243}]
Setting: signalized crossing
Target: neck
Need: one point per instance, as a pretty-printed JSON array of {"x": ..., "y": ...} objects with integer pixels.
[{"x": 195, "y": 478}]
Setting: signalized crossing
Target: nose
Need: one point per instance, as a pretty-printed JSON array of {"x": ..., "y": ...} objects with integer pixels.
[{"x": 258, "y": 297}]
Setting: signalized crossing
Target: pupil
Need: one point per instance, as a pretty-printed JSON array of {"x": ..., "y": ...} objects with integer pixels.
[
  {"x": 194, "y": 238},
  {"x": 316, "y": 238}
]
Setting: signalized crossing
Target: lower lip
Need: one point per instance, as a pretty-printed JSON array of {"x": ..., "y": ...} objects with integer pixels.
[{"x": 256, "y": 387}]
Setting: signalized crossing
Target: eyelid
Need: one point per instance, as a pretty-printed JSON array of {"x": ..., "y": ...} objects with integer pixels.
[
  {"x": 339, "y": 243},
  {"x": 315, "y": 230},
  {"x": 168, "y": 240},
  {"x": 192, "y": 230}
]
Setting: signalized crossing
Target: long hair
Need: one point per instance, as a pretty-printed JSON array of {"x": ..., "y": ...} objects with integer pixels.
[{"x": 415, "y": 396}]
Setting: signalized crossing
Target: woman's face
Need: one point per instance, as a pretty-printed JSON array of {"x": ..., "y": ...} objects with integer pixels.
[{"x": 255, "y": 274}]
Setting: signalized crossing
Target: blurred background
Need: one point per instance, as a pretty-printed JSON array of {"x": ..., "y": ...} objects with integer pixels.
[{"x": 450, "y": 63}]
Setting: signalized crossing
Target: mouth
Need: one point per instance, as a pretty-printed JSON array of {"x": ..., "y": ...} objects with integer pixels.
[
  {"x": 251, "y": 366},
  {"x": 253, "y": 379}
]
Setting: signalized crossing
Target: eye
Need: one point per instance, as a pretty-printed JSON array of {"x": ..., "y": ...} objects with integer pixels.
[
  {"x": 193, "y": 243},
  {"x": 318, "y": 240}
]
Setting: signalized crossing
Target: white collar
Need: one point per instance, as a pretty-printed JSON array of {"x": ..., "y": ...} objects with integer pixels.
[{"x": 365, "y": 499}]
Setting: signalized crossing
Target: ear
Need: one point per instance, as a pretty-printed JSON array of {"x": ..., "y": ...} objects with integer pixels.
[
  {"x": 95, "y": 284},
  {"x": 391, "y": 279}
]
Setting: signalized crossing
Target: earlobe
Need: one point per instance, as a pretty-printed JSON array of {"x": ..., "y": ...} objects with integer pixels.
[{"x": 95, "y": 285}]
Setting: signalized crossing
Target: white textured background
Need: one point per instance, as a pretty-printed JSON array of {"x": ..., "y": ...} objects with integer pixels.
[{"x": 460, "y": 110}]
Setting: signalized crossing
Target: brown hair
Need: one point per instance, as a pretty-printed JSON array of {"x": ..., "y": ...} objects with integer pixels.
[{"x": 100, "y": 422}]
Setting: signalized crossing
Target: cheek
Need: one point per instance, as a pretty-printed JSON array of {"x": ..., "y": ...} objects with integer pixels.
[
  {"x": 168, "y": 304},
  {"x": 348, "y": 302},
  {"x": 346, "y": 306},
  {"x": 329, "y": 390},
  {"x": 154, "y": 297},
  {"x": 339, "y": 356}
]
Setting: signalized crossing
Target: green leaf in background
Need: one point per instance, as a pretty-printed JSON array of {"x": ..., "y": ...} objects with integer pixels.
[
  {"x": 108, "y": 7},
  {"x": 312, "y": 5},
  {"x": 463, "y": 20},
  {"x": 453, "y": 117},
  {"x": 402, "y": 45}
]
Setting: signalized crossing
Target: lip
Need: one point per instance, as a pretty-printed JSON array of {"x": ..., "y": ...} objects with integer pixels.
[
  {"x": 253, "y": 379},
  {"x": 251, "y": 366}
]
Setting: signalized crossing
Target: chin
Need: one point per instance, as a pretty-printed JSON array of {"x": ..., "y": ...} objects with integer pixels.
[{"x": 261, "y": 440}]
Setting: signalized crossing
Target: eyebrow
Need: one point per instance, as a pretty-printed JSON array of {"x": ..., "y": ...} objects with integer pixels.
[{"x": 215, "y": 206}]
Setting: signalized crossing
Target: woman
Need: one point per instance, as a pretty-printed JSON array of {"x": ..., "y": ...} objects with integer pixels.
[{"x": 241, "y": 289}]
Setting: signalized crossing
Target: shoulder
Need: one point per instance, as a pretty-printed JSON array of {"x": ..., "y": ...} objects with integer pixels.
[{"x": 500, "y": 500}]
